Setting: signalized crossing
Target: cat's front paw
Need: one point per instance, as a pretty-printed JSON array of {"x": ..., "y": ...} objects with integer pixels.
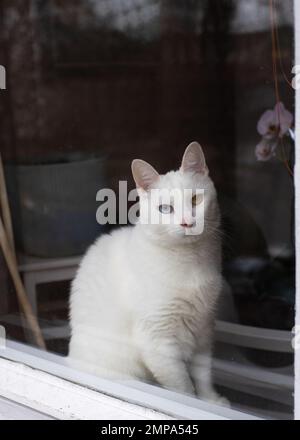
[{"x": 217, "y": 399}]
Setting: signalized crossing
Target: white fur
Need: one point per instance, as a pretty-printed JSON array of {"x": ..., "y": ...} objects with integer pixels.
[{"x": 142, "y": 304}]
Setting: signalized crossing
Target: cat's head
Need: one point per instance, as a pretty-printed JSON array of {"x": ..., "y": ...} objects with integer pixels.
[{"x": 179, "y": 205}]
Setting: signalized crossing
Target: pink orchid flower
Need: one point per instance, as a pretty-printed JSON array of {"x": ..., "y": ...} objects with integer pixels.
[
  {"x": 265, "y": 149},
  {"x": 275, "y": 123}
]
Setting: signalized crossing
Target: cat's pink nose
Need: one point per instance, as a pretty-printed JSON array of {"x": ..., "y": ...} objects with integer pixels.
[{"x": 187, "y": 225}]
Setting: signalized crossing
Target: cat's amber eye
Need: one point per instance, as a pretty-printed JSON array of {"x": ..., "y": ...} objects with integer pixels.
[
  {"x": 166, "y": 209},
  {"x": 197, "y": 199}
]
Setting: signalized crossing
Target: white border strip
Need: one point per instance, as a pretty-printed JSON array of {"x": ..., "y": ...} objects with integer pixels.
[
  {"x": 64, "y": 400},
  {"x": 297, "y": 205}
]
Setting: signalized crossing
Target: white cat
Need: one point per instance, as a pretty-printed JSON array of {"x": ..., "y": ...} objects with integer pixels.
[{"x": 142, "y": 304}]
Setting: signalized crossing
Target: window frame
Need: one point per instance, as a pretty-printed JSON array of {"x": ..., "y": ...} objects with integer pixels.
[{"x": 297, "y": 210}]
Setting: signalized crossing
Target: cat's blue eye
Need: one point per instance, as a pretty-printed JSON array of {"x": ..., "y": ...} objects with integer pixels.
[{"x": 166, "y": 209}]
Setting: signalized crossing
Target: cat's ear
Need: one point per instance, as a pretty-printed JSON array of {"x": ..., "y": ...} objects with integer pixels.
[
  {"x": 193, "y": 159},
  {"x": 143, "y": 173}
]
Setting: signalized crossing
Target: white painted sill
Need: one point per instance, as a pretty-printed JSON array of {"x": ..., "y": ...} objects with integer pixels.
[{"x": 41, "y": 381}]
